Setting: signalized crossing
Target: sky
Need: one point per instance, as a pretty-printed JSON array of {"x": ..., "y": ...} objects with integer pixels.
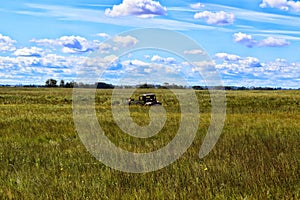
[{"x": 249, "y": 42}]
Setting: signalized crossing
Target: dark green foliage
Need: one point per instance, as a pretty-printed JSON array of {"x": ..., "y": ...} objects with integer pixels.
[{"x": 51, "y": 83}]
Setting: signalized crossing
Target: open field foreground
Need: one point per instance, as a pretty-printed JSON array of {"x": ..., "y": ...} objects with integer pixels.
[{"x": 257, "y": 156}]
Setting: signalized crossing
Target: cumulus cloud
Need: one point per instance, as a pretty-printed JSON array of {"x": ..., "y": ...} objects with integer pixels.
[
  {"x": 140, "y": 8},
  {"x": 69, "y": 44},
  {"x": 250, "y": 62},
  {"x": 273, "y": 42},
  {"x": 29, "y": 52},
  {"x": 32, "y": 69},
  {"x": 216, "y": 18},
  {"x": 281, "y": 4},
  {"x": 6, "y": 43},
  {"x": 236, "y": 62},
  {"x": 79, "y": 45},
  {"x": 48, "y": 61},
  {"x": 95, "y": 65},
  {"x": 105, "y": 48},
  {"x": 244, "y": 39},
  {"x": 125, "y": 41},
  {"x": 203, "y": 67},
  {"x": 136, "y": 62},
  {"x": 250, "y": 42},
  {"x": 114, "y": 44},
  {"x": 59, "y": 61},
  {"x": 103, "y": 35},
  {"x": 154, "y": 71},
  {"x": 249, "y": 71},
  {"x": 159, "y": 59},
  {"x": 227, "y": 57}
]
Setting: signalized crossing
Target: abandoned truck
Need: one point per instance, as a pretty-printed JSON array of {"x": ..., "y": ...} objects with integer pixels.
[{"x": 145, "y": 100}]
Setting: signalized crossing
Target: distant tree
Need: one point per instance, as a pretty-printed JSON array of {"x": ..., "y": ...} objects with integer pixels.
[
  {"x": 62, "y": 83},
  {"x": 70, "y": 84},
  {"x": 197, "y": 87},
  {"x": 51, "y": 83},
  {"x": 145, "y": 85},
  {"x": 166, "y": 84},
  {"x": 228, "y": 88},
  {"x": 102, "y": 85},
  {"x": 30, "y": 86}
]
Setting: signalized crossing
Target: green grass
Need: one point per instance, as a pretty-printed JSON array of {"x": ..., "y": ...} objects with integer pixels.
[{"x": 257, "y": 156}]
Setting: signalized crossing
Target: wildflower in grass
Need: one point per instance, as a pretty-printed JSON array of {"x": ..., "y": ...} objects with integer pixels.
[{"x": 203, "y": 167}]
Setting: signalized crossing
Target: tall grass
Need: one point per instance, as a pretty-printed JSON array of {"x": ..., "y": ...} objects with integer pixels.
[{"x": 257, "y": 156}]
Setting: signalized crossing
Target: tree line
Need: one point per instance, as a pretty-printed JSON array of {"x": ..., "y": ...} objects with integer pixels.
[
  {"x": 102, "y": 85},
  {"x": 53, "y": 83}
]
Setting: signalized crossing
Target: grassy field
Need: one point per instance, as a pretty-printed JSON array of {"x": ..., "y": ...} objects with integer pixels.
[{"x": 257, "y": 156}]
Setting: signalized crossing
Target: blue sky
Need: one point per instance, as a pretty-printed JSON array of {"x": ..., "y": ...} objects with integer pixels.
[{"x": 251, "y": 43}]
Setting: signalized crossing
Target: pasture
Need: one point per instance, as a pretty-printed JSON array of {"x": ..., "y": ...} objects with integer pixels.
[{"x": 256, "y": 157}]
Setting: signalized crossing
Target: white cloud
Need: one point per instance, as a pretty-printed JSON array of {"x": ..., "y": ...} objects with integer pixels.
[
  {"x": 47, "y": 61},
  {"x": 35, "y": 70},
  {"x": 295, "y": 5},
  {"x": 96, "y": 65},
  {"x": 249, "y": 41},
  {"x": 281, "y": 4},
  {"x": 273, "y": 42},
  {"x": 235, "y": 70},
  {"x": 197, "y": 5},
  {"x": 105, "y": 48},
  {"x": 32, "y": 51},
  {"x": 203, "y": 66},
  {"x": 249, "y": 71},
  {"x": 227, "y": 57},
  {"x": 98, "y": 16},
  {"x": 139, "y": 71},
  {"x": 250, "y": 62},
  {"x": 6, "y": 43},
  {"x": 103, "y": 35},
  {"x": 236, "y": 63},
  {"x": 216, "y": 18},
  {"x": 281, "y": 20},
  {"x": 194, "y": 52},
  {"x": 69, "y": 44},
  {"x": 77, "y": 44},
  {"x": 125, "y": 41},
  {"x": 138, "y": 63},
  {"x": 140, "y": 8},
  {"x": 244, "y": 39},
  {"x": 45, "y": 42},
  {"x": 159, "y": 59},
  {"x": 61, "y": 61}
]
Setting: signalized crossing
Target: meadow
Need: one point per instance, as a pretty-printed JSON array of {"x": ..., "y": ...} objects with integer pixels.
[{"x": 256, "y": 157}]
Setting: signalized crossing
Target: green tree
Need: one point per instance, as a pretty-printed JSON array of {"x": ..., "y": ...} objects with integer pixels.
[
  {"x": 62, "y": 83},
  {"x": 70, "y": 84},
  {"x": 51, "y": 83}
]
